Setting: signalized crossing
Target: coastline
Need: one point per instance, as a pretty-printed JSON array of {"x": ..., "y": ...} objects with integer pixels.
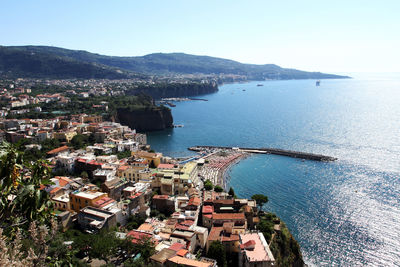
[{"x": 218, "y": 162}]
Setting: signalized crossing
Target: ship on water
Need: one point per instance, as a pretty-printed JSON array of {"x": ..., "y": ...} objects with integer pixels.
[{"x": 317, "y": 83}]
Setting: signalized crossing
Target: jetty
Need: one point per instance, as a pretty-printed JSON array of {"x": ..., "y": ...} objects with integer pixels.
[{"x": 274, "y": 151}]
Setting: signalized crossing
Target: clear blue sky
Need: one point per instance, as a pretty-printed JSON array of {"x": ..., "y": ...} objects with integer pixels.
[{"x": 316, "y": 35}]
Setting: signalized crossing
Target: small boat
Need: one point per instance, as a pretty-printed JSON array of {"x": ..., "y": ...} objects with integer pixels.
[
  {"x": 178, "y": 125},
  {"x": 244, "y": 90},
  {"x": 260, "y": 84},
  {"x": 171, "y": 104},
  {"x": 317, "y": 83}
]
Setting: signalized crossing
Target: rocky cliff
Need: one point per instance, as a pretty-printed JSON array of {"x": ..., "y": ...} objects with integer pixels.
[
  {"x": 151, "y": 119},
  {"x": 161, "y": 90}
]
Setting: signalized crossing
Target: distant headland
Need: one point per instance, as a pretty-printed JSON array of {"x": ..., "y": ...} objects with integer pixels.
[{"x": 60, "y": 63}]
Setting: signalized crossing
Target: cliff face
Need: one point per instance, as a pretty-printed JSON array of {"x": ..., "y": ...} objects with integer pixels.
[
  {"x": 162, "y": 90},
  {"x": 146, "y": 120}
]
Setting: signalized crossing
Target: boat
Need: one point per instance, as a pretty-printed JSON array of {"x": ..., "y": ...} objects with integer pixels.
[
  {"x": 178, "y": 125},
  {"x": 244, "y": 90},
  {"x": 260, "y": 84},
  {"x": 317, "y": 83},
  {"x": 171, "y": 104}
]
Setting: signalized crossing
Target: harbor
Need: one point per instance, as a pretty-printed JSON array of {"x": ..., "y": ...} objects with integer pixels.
[{"x": 274, "y": 151}]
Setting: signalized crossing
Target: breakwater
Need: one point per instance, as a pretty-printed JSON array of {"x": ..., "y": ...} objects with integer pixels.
[{"x": 274, "y": 151}]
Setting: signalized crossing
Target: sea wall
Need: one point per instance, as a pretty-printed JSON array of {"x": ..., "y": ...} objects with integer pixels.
[{"x": 151, "y": 119}]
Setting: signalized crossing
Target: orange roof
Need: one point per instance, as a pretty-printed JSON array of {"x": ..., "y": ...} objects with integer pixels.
[
  {"x": 146, "y": 227},
  {"x": 123, "y": 167},
  {"x": 177, "y": 246},
  {"x": 216, "y": 234},
  {"x": 189, "y": 262},
  {"x": 54, "y": 190},
  {"x": 182, "y": 252},
  {"x": 195, "y": 201},
  {"x": 58, "y": 150},
  {"x": 228, "y": 216},
  {"x": 63, "y": 181},
  {"x": 165, "y": 166},
  {"x": 208, "y": 209}
]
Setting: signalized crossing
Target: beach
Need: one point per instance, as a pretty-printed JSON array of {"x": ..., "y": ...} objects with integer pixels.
[{"x": 217, "y": 162}]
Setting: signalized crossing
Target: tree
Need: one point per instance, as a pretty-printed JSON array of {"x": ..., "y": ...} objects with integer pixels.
[
  {"x": 84, "y": 175},
  {"x": 21, "y": 200},
  {"x": 208, "y": 185},
  {"x": 103, "y": 245},
  {"x": 216, "y": 251},
  {"x": 218, "y": 188},
  {"x": 231, "y": 192},
  {"x": 260, "y": 200},
  {"x": 79, "y": 141}
]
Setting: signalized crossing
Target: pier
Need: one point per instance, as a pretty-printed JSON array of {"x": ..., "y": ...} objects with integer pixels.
[{"x": 274, "y": 151}]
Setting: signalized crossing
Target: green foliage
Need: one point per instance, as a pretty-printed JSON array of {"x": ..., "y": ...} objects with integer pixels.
[
  {"x": 155, "y": 213},
  {"x": 33, "y": 154},
  {"x": 54, "y": 62},
  {"x": 218, "y": 188},
  {"x": 217, "y": 252},
  {"x": 125, "y": 154},
  {"x": 103, "y": 245},
  {"x": 80, "y": 141},
  {"x": 134, "y": 222},
  {"x": 49, "y": 144},
  {"x": 231, "y": 192},
  {"x": 84, "y": 175},
  {"x": 283, "y": 246},
  {"x": 21, "y": 200},
  {"x": 260, "y": 200},
  {"x": 208, "y": 185}
]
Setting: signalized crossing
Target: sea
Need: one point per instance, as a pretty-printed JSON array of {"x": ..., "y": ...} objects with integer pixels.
[{"x": 343, "y": 213}]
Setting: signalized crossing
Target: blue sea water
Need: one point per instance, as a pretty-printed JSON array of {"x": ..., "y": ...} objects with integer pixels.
[{"x": 343, "y": 213}]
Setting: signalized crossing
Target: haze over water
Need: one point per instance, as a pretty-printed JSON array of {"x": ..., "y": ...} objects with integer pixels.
[{"x": 343, "y": 213}]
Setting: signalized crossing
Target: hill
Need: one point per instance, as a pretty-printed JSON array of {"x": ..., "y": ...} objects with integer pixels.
[{"x": 45, "y": 61}]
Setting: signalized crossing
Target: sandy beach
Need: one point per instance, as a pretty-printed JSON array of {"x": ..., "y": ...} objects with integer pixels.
[{"x": 217, "y": 162}]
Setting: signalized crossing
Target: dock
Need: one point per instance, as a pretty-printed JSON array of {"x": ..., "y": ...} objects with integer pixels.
[{"x": 273, "y": 151}]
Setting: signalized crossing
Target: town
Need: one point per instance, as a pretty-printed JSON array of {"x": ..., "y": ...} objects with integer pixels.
[{"x": 105, "y": 178}]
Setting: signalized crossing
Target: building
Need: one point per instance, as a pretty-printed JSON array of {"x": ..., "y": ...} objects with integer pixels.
[
  {"x": 57, "y": 151},
  {"x": 226, "y": 236},
  {"x": 254, "y": 251},
  {"x": 185, "y": 262},
  {"x": 95, "y": 219},
  {"x": 164, "y": 204},
  {"x": 154, "y": 159},
  {"x": 80, "y": 200}
]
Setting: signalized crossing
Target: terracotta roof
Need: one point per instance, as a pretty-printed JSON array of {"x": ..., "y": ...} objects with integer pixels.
[
  {"x": 188, "y": 262},
  {"x": 146, "y": 227},
  {"x": 58, "y": 150},
  {"x": 104, "y": 201},
  {"x": 160, "y": 197},
  {"x": 248, "y": 245},
  {"x": 194, "y": 201},
  {"x": 208, "y": 209},
  {"x": 217, "y": 233},
  {"x": 63, "y": 181},
  {"x": 165, "y": 166},
  {"x": 182, "y": 252},
  {"x": 177, "y": 246},
  {"x": 228, "y": 216},
  {"x": 224, "y": 201},
  {"x": 54, "y": 190},
  {"x": 137, "y": 235}
]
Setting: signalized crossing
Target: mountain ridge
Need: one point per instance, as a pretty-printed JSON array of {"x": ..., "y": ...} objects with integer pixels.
[{"x": 56, "y": 62}]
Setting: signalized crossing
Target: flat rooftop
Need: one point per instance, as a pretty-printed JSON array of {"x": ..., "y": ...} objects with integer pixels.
[{"x": 259, "y": 250}]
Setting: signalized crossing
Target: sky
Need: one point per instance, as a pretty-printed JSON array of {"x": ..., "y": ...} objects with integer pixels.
[{"x": 314, "y": 35}]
